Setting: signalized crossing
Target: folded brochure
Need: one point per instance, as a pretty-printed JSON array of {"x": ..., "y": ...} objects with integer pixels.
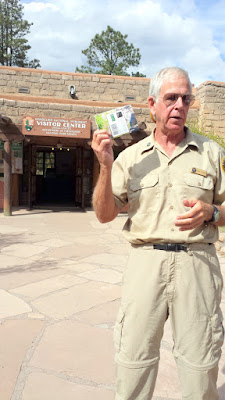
[{"x": 118, "y": 121}]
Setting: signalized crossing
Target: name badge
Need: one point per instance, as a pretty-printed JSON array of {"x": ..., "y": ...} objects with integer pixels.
[{"x": 198, "y": 171}]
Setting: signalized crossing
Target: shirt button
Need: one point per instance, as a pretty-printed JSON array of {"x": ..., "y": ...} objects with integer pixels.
[
  {"x": 172, "y": 229},
  {"x": 170, "y": 184},
  {"x": 199, "y": 184},
  {"x": 142, "y": 184},
  {"x": 171, "y": 207}
]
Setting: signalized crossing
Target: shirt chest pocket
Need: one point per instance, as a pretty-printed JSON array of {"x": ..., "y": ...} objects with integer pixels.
[
  {"x": 143, "y": 194},
  {"x": 197, "y": 186}
]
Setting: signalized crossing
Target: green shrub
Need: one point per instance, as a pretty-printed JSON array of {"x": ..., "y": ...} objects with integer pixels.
[{"x": 194, "y": 126}]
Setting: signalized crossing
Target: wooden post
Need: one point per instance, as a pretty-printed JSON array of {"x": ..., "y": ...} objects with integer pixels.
[
  {"x": 82, "y": 178},
  {"x": 7, "y": 178},
  {"x": 30, "y": 176}
]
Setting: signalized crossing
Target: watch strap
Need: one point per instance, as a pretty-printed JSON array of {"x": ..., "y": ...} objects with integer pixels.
[{"x": 215, "y": 212}]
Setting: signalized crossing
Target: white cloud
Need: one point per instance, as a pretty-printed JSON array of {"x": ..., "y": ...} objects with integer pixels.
[
  {"x": 39, "y": 6},
  {"x": 181, "y": 7},
  {"x": 166, "y": 32}
]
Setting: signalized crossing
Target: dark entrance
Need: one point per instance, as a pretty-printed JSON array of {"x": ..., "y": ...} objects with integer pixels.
[
  {"x": 55, "y": 177},
  {"x": 61, "y": 176}
]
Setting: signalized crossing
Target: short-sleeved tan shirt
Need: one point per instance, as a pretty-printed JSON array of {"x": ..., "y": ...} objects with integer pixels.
[{"x": 155, "y": 184}]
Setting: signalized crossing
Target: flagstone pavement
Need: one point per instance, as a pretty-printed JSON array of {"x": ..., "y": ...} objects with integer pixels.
[{"x": 60, "y": 288}]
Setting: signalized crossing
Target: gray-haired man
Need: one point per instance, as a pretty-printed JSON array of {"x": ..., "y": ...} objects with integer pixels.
[{"x": 174, "y": 182}]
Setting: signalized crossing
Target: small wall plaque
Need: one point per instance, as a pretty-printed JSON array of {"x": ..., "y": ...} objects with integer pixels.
[
  {"x": 130, "y": 98},
  {"x": 24, "y": 90}
]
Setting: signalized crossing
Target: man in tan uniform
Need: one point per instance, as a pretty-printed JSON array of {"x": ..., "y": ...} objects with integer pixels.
[{"x": 174, "y": 182}]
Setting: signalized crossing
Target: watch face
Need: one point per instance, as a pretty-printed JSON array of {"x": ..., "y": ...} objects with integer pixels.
[{"x": 217, "y": 215}]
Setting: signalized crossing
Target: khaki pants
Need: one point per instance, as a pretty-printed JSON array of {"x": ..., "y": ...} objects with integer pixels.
[{"x": 187, "y": 287}]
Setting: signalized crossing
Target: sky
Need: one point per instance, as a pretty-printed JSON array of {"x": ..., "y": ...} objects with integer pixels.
[{"x": 186, "y": 33}]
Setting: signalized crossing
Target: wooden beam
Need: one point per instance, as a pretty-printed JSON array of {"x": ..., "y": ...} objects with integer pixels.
[{"x": 11, "y": 132}]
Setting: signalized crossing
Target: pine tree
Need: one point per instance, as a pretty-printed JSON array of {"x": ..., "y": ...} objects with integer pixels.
[
  {"x": 13, "y": 29},
  {"x": 109, "y": 53}
]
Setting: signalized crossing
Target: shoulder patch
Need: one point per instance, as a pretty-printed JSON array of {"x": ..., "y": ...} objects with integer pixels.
[{"x": 223, "y": 164}]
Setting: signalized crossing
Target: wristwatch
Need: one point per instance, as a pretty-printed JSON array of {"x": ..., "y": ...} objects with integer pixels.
[{"x": 216, "y": 215}]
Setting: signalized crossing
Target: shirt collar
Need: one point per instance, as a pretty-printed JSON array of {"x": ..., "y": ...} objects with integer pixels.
[
  {"x": 189, "y": 140},
  {"x": 148, "y": 143}
]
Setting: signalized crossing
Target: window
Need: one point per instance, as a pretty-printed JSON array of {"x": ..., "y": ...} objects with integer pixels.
[
  {"x": 49, "y": 163},
  {"x": 39, "y": 163},
  {"x": 45, "y": 162}
]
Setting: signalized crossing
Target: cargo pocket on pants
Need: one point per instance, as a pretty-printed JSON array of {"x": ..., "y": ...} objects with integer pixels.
[
  {"x": 217, "y": 335},
  {"x": 118, "y": 330}
]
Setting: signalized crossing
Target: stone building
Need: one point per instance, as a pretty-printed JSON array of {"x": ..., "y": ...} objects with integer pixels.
[{"x": 52, "y": 164}]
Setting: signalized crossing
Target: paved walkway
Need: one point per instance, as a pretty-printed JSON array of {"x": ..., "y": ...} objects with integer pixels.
[{"x": 60, "y": 285}]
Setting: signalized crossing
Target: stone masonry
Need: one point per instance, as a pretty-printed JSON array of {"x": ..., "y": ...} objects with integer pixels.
[
  {"x": 48, "y": 95},
  {"x": 88, "y": 86},
  {"x": 212, "y": 109}
]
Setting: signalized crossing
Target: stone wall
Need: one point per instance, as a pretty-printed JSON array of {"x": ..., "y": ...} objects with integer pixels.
[
  {"x": 53, "y": 89},
  {"x": 212, "y": 107},
  {"x": 16, "y": 109},
  {"x": 87, "y": 86}
]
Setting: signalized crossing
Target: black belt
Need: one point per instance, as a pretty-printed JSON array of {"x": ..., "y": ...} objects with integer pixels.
[{"x": 170, "y": 247}]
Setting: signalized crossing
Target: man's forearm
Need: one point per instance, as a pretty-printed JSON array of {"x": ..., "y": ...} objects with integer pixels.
[{"x": 103, "y": 202}]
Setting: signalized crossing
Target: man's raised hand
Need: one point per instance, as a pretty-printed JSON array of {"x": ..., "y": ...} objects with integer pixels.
[{"x": 102, "y": 146}]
